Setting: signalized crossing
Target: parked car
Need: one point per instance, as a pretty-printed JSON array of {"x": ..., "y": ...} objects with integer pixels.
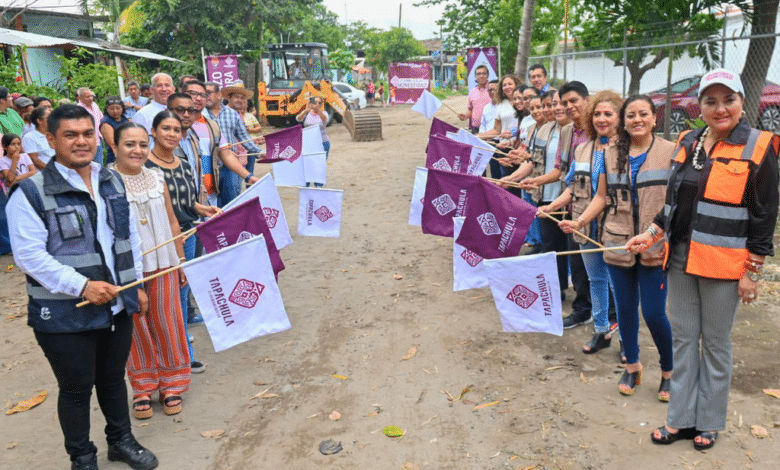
[
  {"x": 352, "y": 94},
  {"x": 685, "y": 105}
]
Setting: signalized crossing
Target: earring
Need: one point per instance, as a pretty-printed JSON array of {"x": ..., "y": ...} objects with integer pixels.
[
  {"x": 743, "y": 113},
  {"x": 701, "y": 117}
]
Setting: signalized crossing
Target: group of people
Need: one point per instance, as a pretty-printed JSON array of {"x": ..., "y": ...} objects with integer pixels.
[
  {"x": 81, "y": 227},
  {"x": 681, "y": 228}
]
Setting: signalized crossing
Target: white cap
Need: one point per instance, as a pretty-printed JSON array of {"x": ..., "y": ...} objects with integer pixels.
[{"x": 723, "y": 77}]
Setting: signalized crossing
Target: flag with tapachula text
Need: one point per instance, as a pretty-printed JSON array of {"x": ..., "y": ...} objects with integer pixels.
[
  {"x": 283, "y": 145},
  {"x": 527, "y": 293},
  {"x": 440, "y": 128},
  {"x": 239, "y": 300},
  {"x": 480, "y": 155},
  {"x": 496, "y": 222},
  {"x": 468, "y": 268},
  {"x": 418, "y": 196},
  {"x": 319, "y": 212},
  {"x": 237, "y": 224},
  {"x": 447, "y": 195},
  {"x": 447, "y": 155},
  {"x": 266, "y": 191}
]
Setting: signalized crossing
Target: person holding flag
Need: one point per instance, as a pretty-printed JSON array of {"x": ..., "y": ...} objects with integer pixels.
[
  {"x": 635, "y": 173},
  {"x": 586, "y": 181},
  {"x": 159, "y": 359},
  {"x": 180, "y": 179}
]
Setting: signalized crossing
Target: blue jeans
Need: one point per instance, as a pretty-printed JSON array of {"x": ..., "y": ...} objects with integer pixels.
[
  {"x": 534, "y": 235},
  {"x": 326, "y": 146},
  {"x": 647, "y": 284},
  {"x": 184, "y": 292},
  {"x": 229, "y": 186},
  {"x": 599, "y": 287}
]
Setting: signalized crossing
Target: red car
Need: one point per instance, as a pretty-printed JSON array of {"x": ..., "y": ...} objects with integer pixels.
[{"x": 685, "y": 105}]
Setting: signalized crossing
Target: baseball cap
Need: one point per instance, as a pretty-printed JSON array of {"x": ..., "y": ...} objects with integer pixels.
[
  {"x": 23, "y": 102},
  {"x": 723, "y": 77}
]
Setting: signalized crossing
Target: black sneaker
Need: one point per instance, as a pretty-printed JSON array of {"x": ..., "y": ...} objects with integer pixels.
[
  {"x": 129, "y": 451},
  {"x": 576, "y": 319},
  {"x": 197, "y": 367},
  {"x": 84, "y": 462}
]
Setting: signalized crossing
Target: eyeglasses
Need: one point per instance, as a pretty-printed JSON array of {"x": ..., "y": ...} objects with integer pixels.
[
  {"x": 195, "y": 94},
  {"x": 480, "y": 73},
  {"x": 183, "y": 110}
]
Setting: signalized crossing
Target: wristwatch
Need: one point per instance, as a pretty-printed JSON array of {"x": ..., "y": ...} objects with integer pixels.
[{"x": 755, "y": 277}]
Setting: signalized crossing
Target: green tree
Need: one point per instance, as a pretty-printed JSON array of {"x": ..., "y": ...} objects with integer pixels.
[
  {"x": 359, "y": 35},
  {"x": 79, "y": 70},
  {"x": 618, "y": 23},
  {"x": 320, "y": 25},
  {"x": 396, "y": 45}
]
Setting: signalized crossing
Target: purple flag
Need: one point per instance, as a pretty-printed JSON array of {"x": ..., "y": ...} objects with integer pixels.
[
  {"x": 286, "y": 144},
  {"x": 440, "y": 128},
  {"x": 447, "y": 155},
  {"x": 496, "y": 223},
  {"x": 222, "y": 69},
  {"x": 447, "y": 195},
  {"x": 236, "y": 225}
]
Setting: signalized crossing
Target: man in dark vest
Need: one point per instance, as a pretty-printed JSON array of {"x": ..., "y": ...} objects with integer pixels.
[{"x": 75, "y": 236}]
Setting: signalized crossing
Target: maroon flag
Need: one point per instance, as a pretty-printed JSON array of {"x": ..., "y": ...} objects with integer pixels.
[
  {"x": 440, "y": 128},
  {"x": 448, "y": 155},
  {"x": 236, "y": 225},
  {"x": 496, "y": 222},
  {"x": 286, "y": 144},
  {"x": 447, "y": 195}
]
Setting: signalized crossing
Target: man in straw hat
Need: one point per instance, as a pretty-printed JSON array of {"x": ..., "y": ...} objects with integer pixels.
[{"x": 232, "y": 126}]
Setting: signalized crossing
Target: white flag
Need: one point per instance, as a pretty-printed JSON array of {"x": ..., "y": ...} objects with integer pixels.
[
  {"x": 468, "y": 268},
  {"x": 288, "y": 173},
  {"x": 418, "y": 194},
  {"x": 427, "y": 104},
  {"x": 265, "y": 189},
  {"x": 480, "y": 151},
  {"x": 239, "y": 300},
  {"x": 312, "y": 140},
  {"x": 315, "y": 167},
  {"x": 319, "y": 212},
  {"x": 527, "y": 293}
]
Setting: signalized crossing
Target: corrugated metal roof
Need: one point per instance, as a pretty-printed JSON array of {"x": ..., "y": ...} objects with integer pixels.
[{"x": 13, "y": 37}]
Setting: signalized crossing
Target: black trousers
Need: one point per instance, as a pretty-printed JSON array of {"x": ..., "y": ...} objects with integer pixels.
[
  {"x": 553, "y": 239},
  {"x": 84, "y": 360},
  {"x": 581, "y": 305}
]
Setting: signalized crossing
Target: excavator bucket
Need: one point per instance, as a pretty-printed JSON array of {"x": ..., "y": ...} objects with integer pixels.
[{"x": 363, "y": 126}]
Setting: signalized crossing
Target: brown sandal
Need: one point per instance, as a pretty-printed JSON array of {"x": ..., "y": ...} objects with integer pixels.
[
  {"x": 143, "y": 401},
  {"x": 169, "y": 409}
]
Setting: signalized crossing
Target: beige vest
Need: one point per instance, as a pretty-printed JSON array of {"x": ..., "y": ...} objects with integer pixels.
[
  {"x": 581, "y": 189},
  {"x": 539, "y": 156},
  {"x": 623, "y": 220}
]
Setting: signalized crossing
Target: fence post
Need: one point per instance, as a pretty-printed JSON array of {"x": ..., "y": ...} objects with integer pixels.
[{"x": 723, "y": 41}]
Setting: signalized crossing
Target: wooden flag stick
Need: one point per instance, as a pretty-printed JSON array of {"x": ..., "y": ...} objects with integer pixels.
[
  {"x": 508, "y": 183},
  {"x": 450, "y": 108},
  {"x": 185, "y": 235},
  {"x": 574, "y": 231},
  {"x": 238, "y": 143},
  {"x": 140, "y": 281},
  {"x": 591, "y": 250}
]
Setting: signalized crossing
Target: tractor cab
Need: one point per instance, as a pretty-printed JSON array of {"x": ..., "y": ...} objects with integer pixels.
[{"x": 293, "y": 64}]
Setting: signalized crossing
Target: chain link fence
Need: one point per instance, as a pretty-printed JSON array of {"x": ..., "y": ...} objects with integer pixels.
[{"x": 608, "y": 69}]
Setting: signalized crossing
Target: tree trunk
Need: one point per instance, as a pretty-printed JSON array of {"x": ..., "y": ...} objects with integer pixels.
[
  {"x": 758, "y": 56},
  {"x": 524, "y": 41}
]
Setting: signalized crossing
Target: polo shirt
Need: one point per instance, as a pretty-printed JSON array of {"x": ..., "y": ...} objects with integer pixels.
[{"x": 11, "y": 122}]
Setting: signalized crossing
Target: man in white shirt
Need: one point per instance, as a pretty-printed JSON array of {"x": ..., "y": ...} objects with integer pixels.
[
  {"x": 489, "y": 111},
  {"x": 87, "y": 101},
  {"x": 75, "y": 236},
  {"x": 162, "y": 88}
]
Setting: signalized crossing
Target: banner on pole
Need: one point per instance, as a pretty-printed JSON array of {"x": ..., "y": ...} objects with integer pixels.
[
  {"x": 527, "y": 293},
  {"x": 222, "y": 69},
  {"x": 408, "y": 80},
  {"x": 418, "y": 196},
  {"x": 238, "y": 300},
  {"x": 319, "y": 212},
  {"x": 468, "y": 269},
  {"x": 477, "y": 56}
]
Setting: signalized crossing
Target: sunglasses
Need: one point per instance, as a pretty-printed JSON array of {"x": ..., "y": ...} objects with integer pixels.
[
  {"x": 109, "y": 102},
  {"x": 183, "y": 110}
]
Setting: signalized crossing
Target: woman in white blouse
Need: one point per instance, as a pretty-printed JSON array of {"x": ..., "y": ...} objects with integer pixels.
[{"x": 34, "y": 142}]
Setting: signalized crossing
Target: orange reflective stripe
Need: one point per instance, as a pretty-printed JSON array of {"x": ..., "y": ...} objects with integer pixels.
[{"x": 716, "y": 262}]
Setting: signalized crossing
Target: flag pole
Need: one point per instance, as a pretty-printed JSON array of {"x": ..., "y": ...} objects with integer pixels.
[
  {"x": 508, "y": 183},
  {"x": 237, "y": 143},
  {"x": 140, "y": 281},
  {"x": 574, "y": 231},
  {"x": 591, "y": 250},
  {"x": 186, "y": 235}
]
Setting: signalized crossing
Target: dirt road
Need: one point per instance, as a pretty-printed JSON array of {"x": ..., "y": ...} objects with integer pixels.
[{"x": 358, "y": 304}]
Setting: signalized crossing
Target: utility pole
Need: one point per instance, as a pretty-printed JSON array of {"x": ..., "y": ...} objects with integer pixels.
[{"x": 400, "y": 7}]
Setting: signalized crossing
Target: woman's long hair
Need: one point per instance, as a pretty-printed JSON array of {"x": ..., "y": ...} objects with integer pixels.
[
  {"x": 624, "y": 138},
  {"x": 500, "y": 91}
]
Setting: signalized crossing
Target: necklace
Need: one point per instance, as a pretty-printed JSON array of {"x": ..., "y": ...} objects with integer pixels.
[
  {"x": 173, "y": 158},
  {"x": 698, "y": 163}
]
